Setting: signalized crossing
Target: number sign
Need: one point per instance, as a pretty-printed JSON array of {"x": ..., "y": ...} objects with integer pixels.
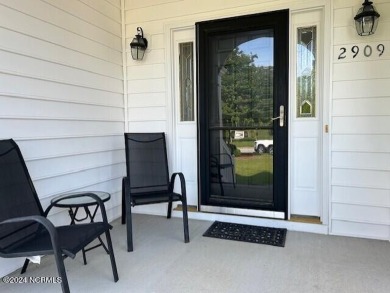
[{"x": 362, "y": 51}]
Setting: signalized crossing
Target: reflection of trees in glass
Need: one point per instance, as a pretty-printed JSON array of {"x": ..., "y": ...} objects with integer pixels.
[
  {"x": 306, "y": 93},
  {"x": 247, "y": 91}
]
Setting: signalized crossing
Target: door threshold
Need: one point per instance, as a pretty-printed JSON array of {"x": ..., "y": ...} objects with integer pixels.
[
  {"x": 190, "y": 208},
  {"x": 233, "y": 211},
  {"x": 258, "y": 213},
  {"x": 305, "y": 219}
]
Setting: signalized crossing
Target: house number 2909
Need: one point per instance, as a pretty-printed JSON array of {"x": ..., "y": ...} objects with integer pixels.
[{"x": 367, "y": 51}]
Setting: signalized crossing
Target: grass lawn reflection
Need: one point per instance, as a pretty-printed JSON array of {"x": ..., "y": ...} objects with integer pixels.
[{"x": 254, "y": 169}]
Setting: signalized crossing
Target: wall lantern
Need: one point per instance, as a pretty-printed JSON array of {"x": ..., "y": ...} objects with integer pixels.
[
  {"x": 366, "y": 20},
  {"x": 138, "y": 45}
]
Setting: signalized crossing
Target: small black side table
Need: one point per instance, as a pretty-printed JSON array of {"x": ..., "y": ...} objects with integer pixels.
[{"x": 87, "y": 203}]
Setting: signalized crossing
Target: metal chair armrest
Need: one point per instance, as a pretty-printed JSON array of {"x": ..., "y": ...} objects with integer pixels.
[
  {"x": 182, "y": 183},
  {"x": 46, "y": 224}
]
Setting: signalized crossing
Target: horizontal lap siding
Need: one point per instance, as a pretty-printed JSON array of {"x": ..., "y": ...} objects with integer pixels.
[
  {"x": 146, "y": 84},
  {"x": 359, "y": 109},
  {"x": 61, "y": 96},
  {"x": 61, "y": 93},
  {"x": 148, "y": 104},
  {"x": 360, "y": 161}
]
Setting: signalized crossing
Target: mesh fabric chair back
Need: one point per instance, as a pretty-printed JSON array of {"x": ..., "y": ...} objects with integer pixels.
[
  {"x": 148, "y": 181},
  {"x": 147, "y": 166},
  {"x": 24, "y": 228},
  {"x": 18, "y": 197}
]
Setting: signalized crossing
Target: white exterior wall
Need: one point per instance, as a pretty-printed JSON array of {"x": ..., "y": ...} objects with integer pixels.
[
  {"x": 360, "y": 162},
  {"x": 61, "y": 96},
  {"x": 62, "y": 99},
  {"x": 357, "y": 166},
  {"x": 150, "y": 104}
]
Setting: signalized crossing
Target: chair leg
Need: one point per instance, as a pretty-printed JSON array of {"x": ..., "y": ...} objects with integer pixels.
[
  {"x": 185, "y": 220},
  {"x": 112, "y": 257},
  {"x": 169, "y": 212},
  {"x": 25, "y": 265},
  {"x": 84, "y": 257},
  {"x": 123, "y": 202},
  {"x": 129, "y": 228},
  {"x": 234, "y": 182},
  {"x": 220, "y": 181},
  {"x": 61, "y": 271}
]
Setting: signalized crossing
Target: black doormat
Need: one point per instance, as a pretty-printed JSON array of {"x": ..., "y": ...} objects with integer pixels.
[{"x": 247, "y": 233}]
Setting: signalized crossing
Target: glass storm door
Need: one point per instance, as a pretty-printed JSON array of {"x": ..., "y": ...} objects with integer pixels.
[{"x": 242, "y": 87}]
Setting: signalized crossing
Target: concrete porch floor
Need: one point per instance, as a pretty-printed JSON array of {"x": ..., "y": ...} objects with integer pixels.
[{"x": 161, "y": 262}]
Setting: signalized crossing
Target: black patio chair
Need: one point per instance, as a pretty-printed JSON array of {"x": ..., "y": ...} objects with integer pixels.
[
  {"x": 147, "y": 180},
  {"x": 24, "y": 228},
  {"x": 220, "y": 163}
]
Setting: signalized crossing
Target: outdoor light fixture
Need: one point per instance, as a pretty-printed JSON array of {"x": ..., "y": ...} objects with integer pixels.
[
  {"x": 366, "y": 20},
  {"x": 138, "y": 45}
]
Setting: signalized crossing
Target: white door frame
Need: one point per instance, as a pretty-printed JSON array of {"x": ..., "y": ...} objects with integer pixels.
[
  {"x": 323, "y": 99},
  {"x": 324, "y": 159},
  {"x": 177, "y": 141}
]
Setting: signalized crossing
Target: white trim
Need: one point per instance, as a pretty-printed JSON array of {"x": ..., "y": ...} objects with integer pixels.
[
  {"x": 124, "y": 67},
  {"x": 358, "y": 236},
  {"x": 169, "y": 31},
  {"x": 323, "y": 115},
  {"x": 323, "y": 102},
  {"x": 293, "y": 226},
  {"x": 327, "y": 106}
]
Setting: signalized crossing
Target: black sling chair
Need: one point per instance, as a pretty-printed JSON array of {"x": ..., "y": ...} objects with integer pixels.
[
  {"x": 24, "y": 228},
  {"x": 147, "y": 180}
]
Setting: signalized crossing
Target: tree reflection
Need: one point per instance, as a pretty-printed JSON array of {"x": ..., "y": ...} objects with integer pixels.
[{"x": 247, "y": 91}]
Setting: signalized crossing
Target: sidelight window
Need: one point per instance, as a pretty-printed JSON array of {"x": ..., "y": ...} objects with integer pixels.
[
  {"x": 306, "y": 71},
  {"x": 186, "y": 76}
]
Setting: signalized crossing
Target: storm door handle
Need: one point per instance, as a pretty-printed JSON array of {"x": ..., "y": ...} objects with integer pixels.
[{"x": 280, "y": 117}]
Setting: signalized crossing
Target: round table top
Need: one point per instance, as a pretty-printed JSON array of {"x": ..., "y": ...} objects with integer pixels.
[{"x": 79, "y": 201}]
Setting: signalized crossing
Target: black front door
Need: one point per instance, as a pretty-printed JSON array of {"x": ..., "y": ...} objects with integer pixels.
[{"x": 242, "y": 77}]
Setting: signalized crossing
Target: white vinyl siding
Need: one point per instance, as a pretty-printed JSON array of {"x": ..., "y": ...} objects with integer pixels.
[
  {"x": 359, "y": 132},
  {"x": 147, "y": 80},
  {"x": 62, "y": 98},
  {"x": 61, "y": 94},
  {"x": 360, "y": 161}
]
